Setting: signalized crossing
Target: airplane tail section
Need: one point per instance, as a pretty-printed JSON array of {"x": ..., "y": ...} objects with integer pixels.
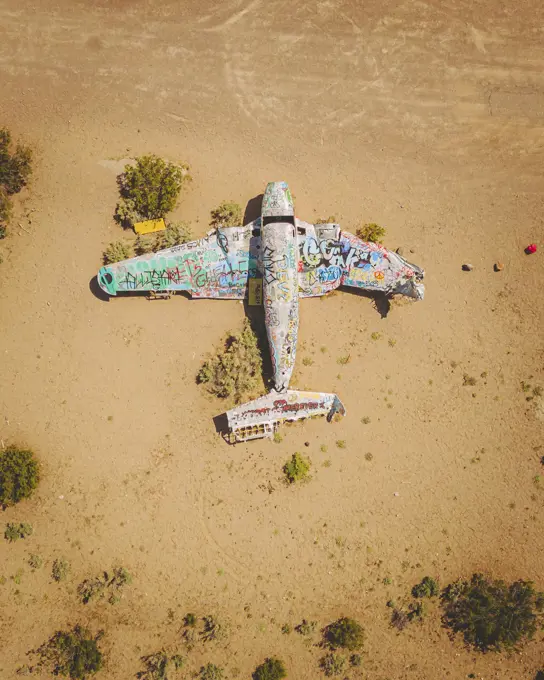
[{"x": 260, "y": 417}]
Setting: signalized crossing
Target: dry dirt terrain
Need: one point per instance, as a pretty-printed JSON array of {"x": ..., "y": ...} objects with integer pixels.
[{"x": 426, "y": 117}]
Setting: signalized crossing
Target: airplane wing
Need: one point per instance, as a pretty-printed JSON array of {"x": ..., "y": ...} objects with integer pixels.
[
  {"x": 329, "y": 258},
  {"x": 216, "y": 266}
]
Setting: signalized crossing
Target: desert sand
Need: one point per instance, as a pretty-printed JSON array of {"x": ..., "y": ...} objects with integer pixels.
[{"x": 426, "y": 117}]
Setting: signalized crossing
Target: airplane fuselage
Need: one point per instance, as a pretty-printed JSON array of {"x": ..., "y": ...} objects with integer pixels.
[{"x": 279, "y": 257}]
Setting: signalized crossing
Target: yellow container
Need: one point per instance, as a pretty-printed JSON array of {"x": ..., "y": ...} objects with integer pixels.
[
  {"x": 149, "y": 226},
  {"x": 255, "y": 292}
]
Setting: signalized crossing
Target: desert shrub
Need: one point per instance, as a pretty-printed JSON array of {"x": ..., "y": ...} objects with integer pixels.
[
  {"x": 371, "y": 232},
  {"x": 117, "y": 251},
  {"x": 126, "y": 213},
  {"x": 5, "y": 206},
  {"x": 74, "y": 654},
  {"x": 332, "y": 664},
  {"x": 14, "y": 532},
  {"x": 427, "y": 588},
  {"x": 35, "y": 561},
  {"x": 345, "y": 633},
  {"x": 306, "y": 627},
  {"x": 190, "y": 620},
  {"x": 175, "y": 234},
  {"x": 213, "y": 629},
  {"x": 492, "y": 615},
  {"x": 228, "y": 214},
  {"x": 271, "y": 669},
  {"x": 110, "y": 584},
  {"x": 19, "y": 475},
  {"x": 539, "y": 675},
  {"x": 355, "y": 660},
  {"x": 149, "y": 189},
  {"x": 296, "y": 468},
  {"x": 211, "y": 672},
  {"x": 16, "y": 166},
  {"x": 60, "y": 570},
  {"x": 157, "y": 666},
  {"x": 235, "y": 370}
]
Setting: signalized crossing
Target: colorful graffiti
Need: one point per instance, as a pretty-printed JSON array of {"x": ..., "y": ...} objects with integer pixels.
[{"x": 292, "y": 259}]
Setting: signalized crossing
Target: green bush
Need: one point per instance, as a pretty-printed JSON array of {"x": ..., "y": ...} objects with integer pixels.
[
  {"x": 271, "y": 669},
  {"x": 5, "y": 207},
  {"x": 345, "y": 633},
  {"x": 228, "y": 214},
  {"x": 236, "y": 369},
  {"x": 332, "y": 664},
  {"x": 19, "y": 475},
  {"x": 117, "y": 251},
  {"x": 149, "y": 189},
  {"x": 15, "y": 167},
  {"x": 74, "y": 654},
  {"x": 175, "y": 234},
  {"x": 371, "y": 232},
  {"x": 296, "y": 468},
  {"x": 158, "y": 665},
  {"x": 190, "y": 620},
  {"x": 213, "y": 629},
  {"x": 14, "y": 532},
  {"x": 211, "y": 672},
  {"x": 492, "y": 615},
  {"x": 60, "y": 570},
  {"x": 110, "y": 584},
  {"x": 427, "y": 588},
  {"x": 35, "y": 561}
]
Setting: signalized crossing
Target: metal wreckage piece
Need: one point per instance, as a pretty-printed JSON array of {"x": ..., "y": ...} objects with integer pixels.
[{"x": 274, "y": 260}]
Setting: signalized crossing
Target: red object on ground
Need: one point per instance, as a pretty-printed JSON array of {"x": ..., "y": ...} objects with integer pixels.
[{"x": 531, "y": 249}]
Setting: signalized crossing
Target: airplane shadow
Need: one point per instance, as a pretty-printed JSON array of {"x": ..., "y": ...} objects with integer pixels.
[
  {"x": 97, "y": 291},
  {"x": 253, "y": 208},
  {"x": 381, "y": 301}
]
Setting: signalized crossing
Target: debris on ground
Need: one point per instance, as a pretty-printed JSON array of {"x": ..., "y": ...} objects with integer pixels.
[
  {"x": 531, "y": 248},
  {"x": 467, "y": 267}
]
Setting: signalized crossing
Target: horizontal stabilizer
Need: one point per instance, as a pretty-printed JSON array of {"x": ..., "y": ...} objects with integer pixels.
[{"x": 260, "y": 417}]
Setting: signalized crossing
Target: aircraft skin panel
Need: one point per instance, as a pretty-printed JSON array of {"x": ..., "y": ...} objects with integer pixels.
[
  {"x": 216, "y": 266},
  {"x": 329, "y": 259},
  {"x": 280, "y": 297}
]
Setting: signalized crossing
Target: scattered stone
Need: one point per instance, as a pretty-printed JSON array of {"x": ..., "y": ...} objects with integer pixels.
[
  {"x": 498, "y": 266},
  {"x": 400, "y": 251},
  {"x": 306, "y": 443},
  {"x": 467, "y": 267},
  {"x": 396, "y": 493}
]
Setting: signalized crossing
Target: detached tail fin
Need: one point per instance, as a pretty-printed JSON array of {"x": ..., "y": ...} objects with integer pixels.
[{"x": 260, "y": 417}]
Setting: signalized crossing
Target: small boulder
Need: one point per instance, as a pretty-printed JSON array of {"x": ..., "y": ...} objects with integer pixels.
[
  {"x": 467, "y": 267},
  {"x": 498, "y": 266}
]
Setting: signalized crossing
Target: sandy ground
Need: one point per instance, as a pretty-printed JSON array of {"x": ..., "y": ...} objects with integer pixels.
[{"x": 427, "y": 117}]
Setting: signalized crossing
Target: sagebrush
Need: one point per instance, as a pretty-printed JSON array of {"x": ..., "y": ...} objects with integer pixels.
[
  {"x": 491, "y": 614},
  {"x": 15, "y": 171},
  {"x": 227, "y": 214},
  {"x": 344, "y": 633},
  {"x": 19, "y": 475},
  {"x": 371, "y": 232},
  {"x": 108, "y": 584},
  {"x": 149, "y": 189},
  {"x": 74, "y": 653},
  {"x": 158, "y": 666},
  {"x": 271, "y": 669},
  {"x": 297, "y": 468},
  {"x": 235, "y": 371},
  {"x": 428, "y": 587},
  {"x": 117, "y": 251}
]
